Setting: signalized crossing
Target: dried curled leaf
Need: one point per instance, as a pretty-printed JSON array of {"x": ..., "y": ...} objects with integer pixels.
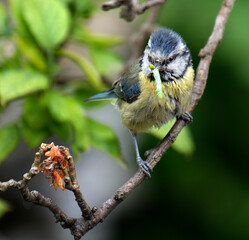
[{"x": 55, "y": 164}]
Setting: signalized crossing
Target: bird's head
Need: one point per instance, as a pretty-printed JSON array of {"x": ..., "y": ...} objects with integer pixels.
[{"x": 168, "y": 52}]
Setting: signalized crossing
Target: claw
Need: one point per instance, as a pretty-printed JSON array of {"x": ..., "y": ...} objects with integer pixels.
[
  {"x": 145, "y": 167},
  {"x": 187, "y": 117}
]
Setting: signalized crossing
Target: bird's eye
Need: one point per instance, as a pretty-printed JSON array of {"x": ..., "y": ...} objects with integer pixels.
[{"x": 170, "y": 59}]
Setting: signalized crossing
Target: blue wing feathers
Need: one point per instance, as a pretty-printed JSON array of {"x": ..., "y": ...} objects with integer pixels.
[{"x": 127, "y": 91}]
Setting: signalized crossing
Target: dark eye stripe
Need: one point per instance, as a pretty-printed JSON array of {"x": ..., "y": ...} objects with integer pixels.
[
  {"x": 169, "y": 60},
  {"x": 176, "y": 55},
  {"x": 150, "y": 59}
]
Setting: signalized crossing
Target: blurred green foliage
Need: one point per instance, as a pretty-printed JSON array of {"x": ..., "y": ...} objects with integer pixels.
[
  {"x": 4, "y": 207},
  {"x": 9, "y": 137},
  {"x": 31, "y": 47}
]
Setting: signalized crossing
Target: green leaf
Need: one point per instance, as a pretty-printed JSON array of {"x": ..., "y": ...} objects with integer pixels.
[
  {"x": 103, "y": 138},
  {"x": 9, "y": 138},
  {"x": 67, "y": 2},
  {"x": 80, "y": 140},
  {"x": 17, "y": 83},
  {"x": 31, "y": 52},
  {"x": 106, "y": 62},
  {"x": 61, "y": 130},
  {"x": 83, "y": 90},
  {"x": 48, "y": 20},
  {"x": 184, "y": 143},
  {"x": 38, "y": 123},
  {"x": 85, "y": 8},
  {"x": 65, "y": 109},
  {"x": 33, "y": 136},
  {"x": 35, "y": 121},
  {"x": 89, "y": 70},
  {"x": 3, "y": 20},
  {"x": 4, "y": 207},
  {"x": 96, "y": 39},
  {"x": 34, "y": 113},
  {"x": 15, "y": 7}
]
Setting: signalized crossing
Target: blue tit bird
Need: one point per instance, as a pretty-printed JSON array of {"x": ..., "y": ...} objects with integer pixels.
[{"x": 136, "y": 90}]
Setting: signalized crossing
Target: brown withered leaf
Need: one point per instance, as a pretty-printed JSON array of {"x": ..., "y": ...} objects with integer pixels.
[{"x": 53, "y": 165}]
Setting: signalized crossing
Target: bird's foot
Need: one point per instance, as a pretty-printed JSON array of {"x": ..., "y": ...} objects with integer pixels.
[
  {"x": 145, "y": 167},
  {"x": 187, "y": 117}
]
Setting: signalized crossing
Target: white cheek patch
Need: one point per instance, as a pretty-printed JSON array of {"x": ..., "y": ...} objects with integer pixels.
[{"x": 178, "y": 66}]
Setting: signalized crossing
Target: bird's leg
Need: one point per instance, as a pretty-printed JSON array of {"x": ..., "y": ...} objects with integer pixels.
[
  {"x": 145, "y": 166},
  {"x": 187, "y": 117}
]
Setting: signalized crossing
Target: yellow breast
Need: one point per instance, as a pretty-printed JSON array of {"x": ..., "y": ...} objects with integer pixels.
[{"x": 148, "y": 110}]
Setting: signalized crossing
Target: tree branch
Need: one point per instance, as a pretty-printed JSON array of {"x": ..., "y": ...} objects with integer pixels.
[
  {"x": 130, "y": 8},
  {"x": 34, "y": 196},
  {"x": 37, "y": 198}
]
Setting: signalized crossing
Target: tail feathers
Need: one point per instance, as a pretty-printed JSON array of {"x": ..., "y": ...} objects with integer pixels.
[{"x": 110, "y": 94}]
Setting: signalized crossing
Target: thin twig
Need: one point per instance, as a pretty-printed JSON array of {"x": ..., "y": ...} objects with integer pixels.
[
  {"x": 37, "y": 198},
  {"x": 73, "y": 186},
  {"x": 143, "y": 35},
  {"x": 130, "y": 8},
  {"x": 149, "y": 4},
  {"x": 34, "y": 196}
]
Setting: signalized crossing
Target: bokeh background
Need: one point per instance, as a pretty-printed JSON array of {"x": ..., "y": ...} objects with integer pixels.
[{"x": 202, "y": 195}]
